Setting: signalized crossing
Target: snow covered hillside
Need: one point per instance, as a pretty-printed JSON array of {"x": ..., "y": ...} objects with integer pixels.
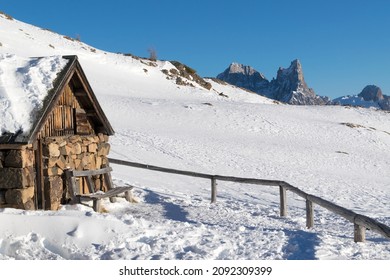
[{"x": 339, "y": 153}]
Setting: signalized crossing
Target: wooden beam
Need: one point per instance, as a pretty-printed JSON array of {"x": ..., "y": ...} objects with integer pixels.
[
  {"x": 359, "y": 233},
  {"x": 283, "y": 201},
  {"x": 15, "y": 146},
  {"x": 309, "y": 214},
  {"x": 76, "y": 173},
  {"x": 343, "y": 212},
  {"x": 97, "y": 205},
  {"x": 213, "y": 190}
]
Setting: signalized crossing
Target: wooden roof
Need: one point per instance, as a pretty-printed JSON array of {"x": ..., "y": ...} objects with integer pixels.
[{"x": 74, "y": 73}]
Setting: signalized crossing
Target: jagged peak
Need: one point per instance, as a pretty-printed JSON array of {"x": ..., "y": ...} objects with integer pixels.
[{"x": 295, "y": 66}]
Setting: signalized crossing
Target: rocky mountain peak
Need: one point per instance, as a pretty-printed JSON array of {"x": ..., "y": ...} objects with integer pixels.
[
  {"x": 235, "y": 68},
  {"x": 244, "y": 76},
  {"x": 371, "y": 93}
]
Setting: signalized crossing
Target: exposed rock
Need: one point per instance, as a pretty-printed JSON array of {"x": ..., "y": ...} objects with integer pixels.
[
  {"x": 371, "y": 93},
  {"x": 185, "y": 75},
  {"x": 246, "y": 77}
]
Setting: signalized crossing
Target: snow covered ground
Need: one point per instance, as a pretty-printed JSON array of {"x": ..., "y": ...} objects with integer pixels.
[{"x": 339, "y": 153}]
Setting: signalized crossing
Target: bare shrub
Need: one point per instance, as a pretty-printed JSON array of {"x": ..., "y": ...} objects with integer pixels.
[
  {"x": 152, "y": 54},
  {"x": 6, "y": 15}
]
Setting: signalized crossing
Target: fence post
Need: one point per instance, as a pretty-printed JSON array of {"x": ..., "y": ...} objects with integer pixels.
[
  {"x": 359, "y": 233},
  {"x": 309, "y": 214},
  {"x": 283, "y": 201},
  {"x": 213, "y": 190}
]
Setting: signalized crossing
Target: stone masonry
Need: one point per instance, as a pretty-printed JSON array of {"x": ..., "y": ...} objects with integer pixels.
[{"x": 77, "y": 152}]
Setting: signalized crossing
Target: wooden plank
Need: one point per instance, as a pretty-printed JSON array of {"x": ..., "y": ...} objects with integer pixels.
[
  {"x": 283, "y": 201},
  {"x": 90, "y": 184},
  {"x": 111, "y": 193},
  {"x": 309, "y": 214},
  {"x": 213, "y": 190},
  {"x": 90, "y": 172}
]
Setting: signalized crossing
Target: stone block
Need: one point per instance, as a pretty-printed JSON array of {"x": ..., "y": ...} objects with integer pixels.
[
  {"x": 103, "y": 149},
  {"x": 16, "y": 178},
  {"x": 92, "y": 148},
  {"x": 51, "y": 162},
  {"x": 51, "y": 150},
  {"x": 76, "y": 148},
  {"x": 19, "y": 158},
  {"x": 29, "y": 205},
  {"x": 66, "y": 150},
  {"x": 93, "y": 139},
  {"x": 103, "y": 138},
  {"x": 74, "y": 138},
  {"x": 19, "y": 196},
  {"x": 53, "y": 171},
  {"x": 85, "y": 161},
  {"x": 61, "y": 162}
]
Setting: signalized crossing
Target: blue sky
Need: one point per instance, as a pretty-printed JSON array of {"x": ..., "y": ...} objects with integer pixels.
[{"x": 342, "y": 45}]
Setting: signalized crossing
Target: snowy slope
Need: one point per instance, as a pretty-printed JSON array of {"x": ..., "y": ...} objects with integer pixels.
[{"x": 341, "y": 154}]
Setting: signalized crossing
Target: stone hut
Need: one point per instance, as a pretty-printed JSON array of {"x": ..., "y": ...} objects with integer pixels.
[{"x": 55, "y": 123}]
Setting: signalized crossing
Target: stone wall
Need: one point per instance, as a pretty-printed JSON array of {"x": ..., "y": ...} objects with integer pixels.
[
  {"x": 17, "y": 178},
  {"x": 18, "y": 174},
  {"x": 71, "y": 152}
]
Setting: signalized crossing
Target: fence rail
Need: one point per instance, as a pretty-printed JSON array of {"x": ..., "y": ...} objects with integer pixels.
[{"x": 361, "y": 222}]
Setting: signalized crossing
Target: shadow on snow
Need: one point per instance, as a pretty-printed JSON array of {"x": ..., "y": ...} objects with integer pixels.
[
  {"x": 171, "y": 211},
  {"x": 301, "y": 245}
]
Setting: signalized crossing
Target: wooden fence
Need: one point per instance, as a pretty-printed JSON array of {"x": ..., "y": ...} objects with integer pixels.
[{"x": 361, "y": 222}]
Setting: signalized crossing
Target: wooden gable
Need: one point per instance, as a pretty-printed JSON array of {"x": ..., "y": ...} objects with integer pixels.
[{"x": 71, "y": 108}]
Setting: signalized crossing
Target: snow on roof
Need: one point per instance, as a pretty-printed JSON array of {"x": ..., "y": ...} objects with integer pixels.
[{"x": 24, "y": 84}]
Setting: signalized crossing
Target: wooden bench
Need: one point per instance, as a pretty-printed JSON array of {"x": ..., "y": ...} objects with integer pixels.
[{"x": 96, "y": 197}]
